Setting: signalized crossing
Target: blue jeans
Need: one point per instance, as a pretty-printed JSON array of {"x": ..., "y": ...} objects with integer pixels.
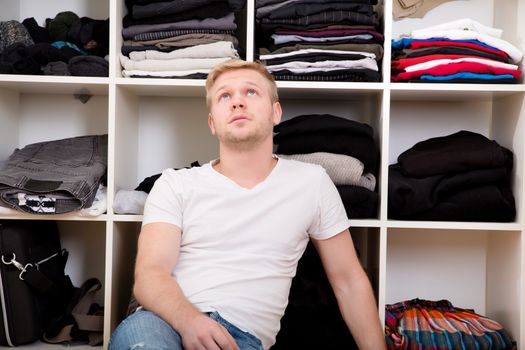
[{"x": 144, "y": 330}]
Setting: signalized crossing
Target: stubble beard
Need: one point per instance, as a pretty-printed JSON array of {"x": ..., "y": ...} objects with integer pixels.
[{"x": 247, "y": 141}]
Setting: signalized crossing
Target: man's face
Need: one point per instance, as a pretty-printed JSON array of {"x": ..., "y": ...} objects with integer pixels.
[{"x": 242, "y": 114}]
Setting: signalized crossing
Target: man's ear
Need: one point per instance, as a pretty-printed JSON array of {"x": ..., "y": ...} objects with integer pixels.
[
  {"x": 277, "y": 113},
  {"x": 210, "y": 124}
]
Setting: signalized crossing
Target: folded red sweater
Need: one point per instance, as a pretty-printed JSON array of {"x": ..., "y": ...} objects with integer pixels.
[{"x": 402, "y": 63}]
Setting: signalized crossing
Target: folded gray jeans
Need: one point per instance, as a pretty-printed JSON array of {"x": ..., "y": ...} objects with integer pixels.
[{"x": 54, "y": 176}]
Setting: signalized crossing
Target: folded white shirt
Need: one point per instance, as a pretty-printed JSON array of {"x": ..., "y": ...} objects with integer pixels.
[
  {"x": 462, "y": 24},
  {"x": 439, "y": 62},
  {"x": 366, "y": 62},
  {"x": 320, "y": 51}
]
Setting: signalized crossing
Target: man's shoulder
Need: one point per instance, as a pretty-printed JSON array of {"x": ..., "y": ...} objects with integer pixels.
[
  {"x": 187, "y": 171},
  {"x": 185, "y": 174},
  {"x": 296, "y": 167}
]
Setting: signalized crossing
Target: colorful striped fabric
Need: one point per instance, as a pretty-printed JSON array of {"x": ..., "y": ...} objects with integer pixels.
[{"x": 437, "y": 325}]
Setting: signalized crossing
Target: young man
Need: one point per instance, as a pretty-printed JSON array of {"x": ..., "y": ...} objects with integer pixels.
[{"x": 220, "y": 243}]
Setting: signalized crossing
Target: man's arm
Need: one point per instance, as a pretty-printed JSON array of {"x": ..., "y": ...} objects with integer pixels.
[
  {"x": 352, "y": 290},
  {"x": 158, "y": 291}
]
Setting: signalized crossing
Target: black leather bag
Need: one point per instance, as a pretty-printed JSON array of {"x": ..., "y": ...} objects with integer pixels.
[{"x": 33, "y": 286}]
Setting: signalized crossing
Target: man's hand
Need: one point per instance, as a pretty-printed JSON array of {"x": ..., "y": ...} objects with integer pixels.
[{"x": 203, "y": 333}]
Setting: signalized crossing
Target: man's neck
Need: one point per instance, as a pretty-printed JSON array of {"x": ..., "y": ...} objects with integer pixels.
[{"x": 247, "y": 168}]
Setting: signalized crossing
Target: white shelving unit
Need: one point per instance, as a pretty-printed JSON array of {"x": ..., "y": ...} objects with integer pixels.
[{"x": 159, "y": 123}]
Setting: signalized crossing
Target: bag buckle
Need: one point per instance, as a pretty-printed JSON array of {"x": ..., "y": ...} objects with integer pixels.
[{"x": 18, "y": 265}]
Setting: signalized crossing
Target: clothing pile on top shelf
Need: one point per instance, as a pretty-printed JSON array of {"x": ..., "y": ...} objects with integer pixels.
[
  {"x": 312, "y": 319},
  {"x": 459, "y": 177},
  {"x": 178, "y": 39},
  {"x": 462, "y": 51},
  {"x": 428, "y": 325},
  {"x": 414, "y": 8},
  {"x": 66, "y": 45},
  {"x": 344, "y": 148},
  {"x": 316, "y": 40},
  {"x": 56, "y": 177}
]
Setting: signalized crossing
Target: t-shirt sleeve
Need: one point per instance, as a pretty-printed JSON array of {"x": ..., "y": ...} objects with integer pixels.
[
  {"x": 330, "y": 218},
  {"x": 164, "y": 202}
]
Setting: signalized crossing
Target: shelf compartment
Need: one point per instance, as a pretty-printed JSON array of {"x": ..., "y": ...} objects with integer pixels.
[
  {"x": 155, "y": 133},
  {"x": 498, "y": 118},
  {"x": 20, "y": 10},
  {"x": 28, "y": 118},
  {"x": 121, "y": 11},
  {"x": 506, "y": 16},
  {"x": 473, "y": 269},
  {"x": 123, "y": 254},
  {"x": 40, "y": 11}
]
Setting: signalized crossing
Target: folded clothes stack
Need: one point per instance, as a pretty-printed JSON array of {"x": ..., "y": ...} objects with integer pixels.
[
  {"x": 346, "y": 149},
  {"x": 428, "y": 325},
  {"x": 459, "y": 177},
  {"x": 316, "y": 40},
  {"x": 65, "y": 45},
  {"x": 178, "y": 39},
  {"x": 462, "y": 51}
]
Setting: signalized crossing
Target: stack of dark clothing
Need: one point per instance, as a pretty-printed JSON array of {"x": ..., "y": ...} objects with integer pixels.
[
  {"x": 66, "y": 45},
  {"x": 319, "y": 40},
  {"x": 312, "y": 319},
  {"x": 459, "y": 177},
  {"x": 345, "y": 148},
  {"x": 54, "y": 177},
  {"x": 178, "y": 39}
]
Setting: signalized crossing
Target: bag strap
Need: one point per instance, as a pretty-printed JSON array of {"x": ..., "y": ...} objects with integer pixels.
[{"x": 55, "y": 292}]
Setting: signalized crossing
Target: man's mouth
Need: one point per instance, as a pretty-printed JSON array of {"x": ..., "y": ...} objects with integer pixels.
[{"x": 238, "y": 118}]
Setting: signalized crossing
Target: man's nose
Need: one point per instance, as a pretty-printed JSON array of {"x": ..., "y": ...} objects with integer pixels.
[{"x": 238, "y": 101}]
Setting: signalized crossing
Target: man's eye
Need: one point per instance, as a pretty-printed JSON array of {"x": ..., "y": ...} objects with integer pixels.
[
  {"x": 251, "y": 92},
  {"x": 224, "y": 96}
]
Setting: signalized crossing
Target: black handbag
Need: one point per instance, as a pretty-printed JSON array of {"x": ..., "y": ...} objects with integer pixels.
[{"x": 33, "y": 285}]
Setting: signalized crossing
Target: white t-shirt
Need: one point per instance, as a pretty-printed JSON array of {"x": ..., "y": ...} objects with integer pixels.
[{"x": 240, "y": 247}]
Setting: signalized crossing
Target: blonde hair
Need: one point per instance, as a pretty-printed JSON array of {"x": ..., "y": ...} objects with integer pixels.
[{"x": 234, "y": 64}]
